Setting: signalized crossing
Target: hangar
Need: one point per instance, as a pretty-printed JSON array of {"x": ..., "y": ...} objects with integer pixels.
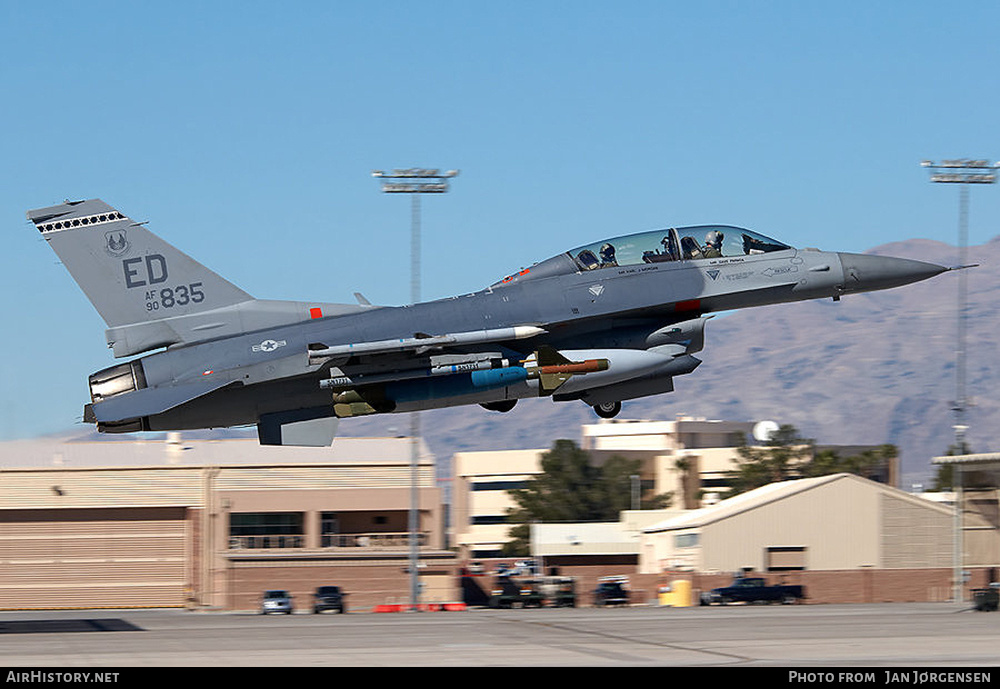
[
  {"x": 835, "y": 522},
  {"x": 212, "y": 522}
]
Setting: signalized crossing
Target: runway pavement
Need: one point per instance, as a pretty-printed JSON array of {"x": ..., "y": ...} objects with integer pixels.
[{"x": 879, "y": 635}]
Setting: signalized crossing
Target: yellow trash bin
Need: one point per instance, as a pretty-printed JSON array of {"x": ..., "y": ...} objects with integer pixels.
[{"x": 682, "y": 593}]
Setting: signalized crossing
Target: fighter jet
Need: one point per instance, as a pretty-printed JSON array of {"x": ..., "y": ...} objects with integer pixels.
[{"x": 613, "y": 320}]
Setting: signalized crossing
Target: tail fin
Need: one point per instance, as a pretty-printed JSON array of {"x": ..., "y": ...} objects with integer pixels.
[
  {"x": 129, "y": 274},
  {"x": 151, "y": 294}
]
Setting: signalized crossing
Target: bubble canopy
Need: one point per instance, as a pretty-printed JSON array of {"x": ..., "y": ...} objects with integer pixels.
[
  {"x": 674, "y": 244},
  {"x": 698, "y": 242}
]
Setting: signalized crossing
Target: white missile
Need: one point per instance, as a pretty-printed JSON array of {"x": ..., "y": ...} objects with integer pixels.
[{"x": 422, "y": 344}]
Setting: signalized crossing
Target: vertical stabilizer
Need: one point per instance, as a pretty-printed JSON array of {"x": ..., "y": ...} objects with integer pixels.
[
  {"x": 129, "y": 274},
  {"x": 151, "y": 294}
]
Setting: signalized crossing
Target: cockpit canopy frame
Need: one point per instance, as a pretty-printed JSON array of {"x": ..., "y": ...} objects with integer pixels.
[
  {"x": 674, "y": 244},
  {"x": 656, "y": 246}
]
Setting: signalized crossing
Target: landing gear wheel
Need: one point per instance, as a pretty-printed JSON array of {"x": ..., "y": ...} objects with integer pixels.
[
  {"x": 501, "y": 406},
  {"x": 608, "y": 410}
]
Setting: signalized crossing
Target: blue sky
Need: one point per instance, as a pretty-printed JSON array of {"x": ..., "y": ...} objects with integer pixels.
[{"x": 245, "y": 133}]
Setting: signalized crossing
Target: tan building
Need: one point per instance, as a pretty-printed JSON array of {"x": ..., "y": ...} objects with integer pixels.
[
  {"x": 124, "y": 522},
  {"x": 835, "y": 522},
  {"x": 693, "y": 456},
  {"x": 686, "y": 457},
  {"x": 977, "y": 524},
  {"x": 480, "y": 500}
]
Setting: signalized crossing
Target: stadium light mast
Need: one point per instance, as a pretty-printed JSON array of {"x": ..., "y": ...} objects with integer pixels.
[
  {"x": 415, "y": 181},
  {"x": 961, "y": 171}
]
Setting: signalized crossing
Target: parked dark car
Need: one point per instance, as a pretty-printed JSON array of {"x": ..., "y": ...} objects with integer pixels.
[
  {"x": 329, "y": 598},
  {"x": 987, "y": 599},
  {"x": 512, "y": 593},
  {"x": 611, "y": 593},
  {"x": 276, "y": 600}
]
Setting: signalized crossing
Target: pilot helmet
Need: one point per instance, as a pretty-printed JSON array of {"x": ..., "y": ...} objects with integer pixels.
[
  {"x": 714, "y": 238},
  {"x": 607, "y": 253}
]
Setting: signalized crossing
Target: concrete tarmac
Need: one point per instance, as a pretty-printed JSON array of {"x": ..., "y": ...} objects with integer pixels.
[{"x": 877, "y": 635}]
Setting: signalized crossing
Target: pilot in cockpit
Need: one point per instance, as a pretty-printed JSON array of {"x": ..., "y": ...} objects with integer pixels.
[
  {"x": 669, "y": 252},
  {"x": 608, "y": 256},
  {"x": 713, "y": 245}
]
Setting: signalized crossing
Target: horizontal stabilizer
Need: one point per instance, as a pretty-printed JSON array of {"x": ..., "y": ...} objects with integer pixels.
[{"x": 149, "y": 401}]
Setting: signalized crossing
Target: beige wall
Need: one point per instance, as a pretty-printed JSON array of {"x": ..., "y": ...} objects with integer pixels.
[
  {"x": 981, "y": 517},
  {"x": 87, "y": 487},
  {"x": 90, "y": 557},
  {"x": 912, "y": 535},
  {"x": 368, "y": 582},
  {"x": 486, "y": 467},
  {"x": 838, "y": 522}
]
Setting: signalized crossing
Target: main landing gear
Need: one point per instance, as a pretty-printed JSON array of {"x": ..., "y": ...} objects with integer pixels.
[{"x": 608, "y": 410}]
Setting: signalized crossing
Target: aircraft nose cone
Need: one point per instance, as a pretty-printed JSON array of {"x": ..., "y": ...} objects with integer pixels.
[{"x": 864, "y": 272}]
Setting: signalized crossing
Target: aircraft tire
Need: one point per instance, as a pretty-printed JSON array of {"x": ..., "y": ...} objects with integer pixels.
[
  {"x": 608, "y": 410},
  {"x": 501, "y": 406}
]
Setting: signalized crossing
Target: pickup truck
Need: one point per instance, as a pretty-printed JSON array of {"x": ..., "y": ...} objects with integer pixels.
[{"x": 752, "y": 590}]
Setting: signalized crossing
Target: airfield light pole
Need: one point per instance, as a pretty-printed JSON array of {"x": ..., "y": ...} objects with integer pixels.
[
  {"x": 415, "y": 181},
  {"x": 962, "y": 171}
]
